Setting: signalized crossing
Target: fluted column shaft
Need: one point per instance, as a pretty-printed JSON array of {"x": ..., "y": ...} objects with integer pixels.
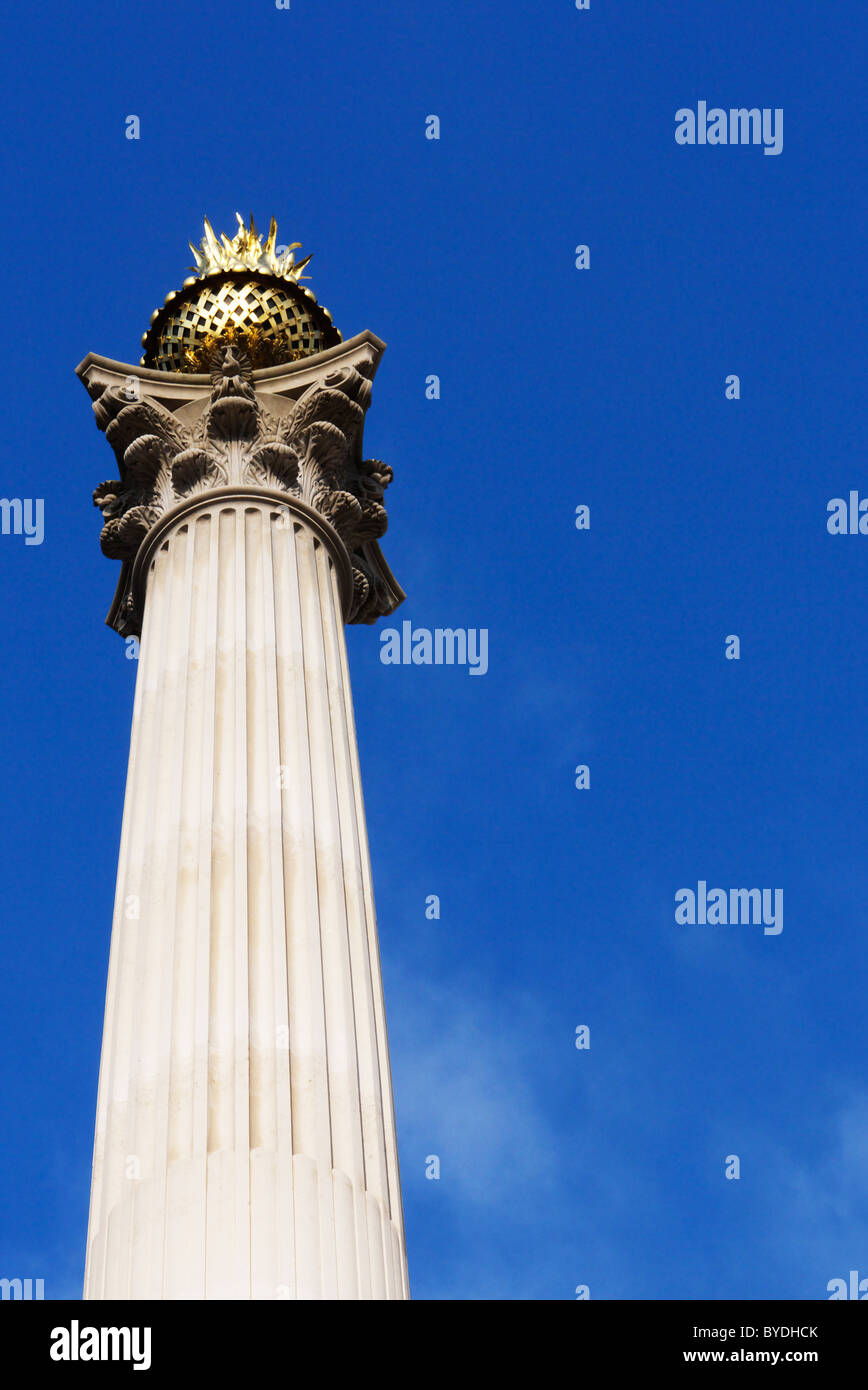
[{"x": 245, "y": 1140}]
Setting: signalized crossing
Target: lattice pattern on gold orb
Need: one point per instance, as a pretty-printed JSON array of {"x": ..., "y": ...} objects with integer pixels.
[{"x": 281, "y": 315}]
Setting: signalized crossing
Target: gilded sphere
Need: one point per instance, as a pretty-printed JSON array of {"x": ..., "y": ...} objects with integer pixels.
[{"x": 276, "y": 320}]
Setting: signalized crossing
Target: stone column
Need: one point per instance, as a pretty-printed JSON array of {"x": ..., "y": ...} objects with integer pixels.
[{"x": 245, "y": 1139}]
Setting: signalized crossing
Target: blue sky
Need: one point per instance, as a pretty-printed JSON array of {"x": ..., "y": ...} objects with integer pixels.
[{"x": 559, "y": 387}]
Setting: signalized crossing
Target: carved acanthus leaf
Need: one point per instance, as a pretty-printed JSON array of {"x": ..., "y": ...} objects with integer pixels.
[
  {"x": 196, "y": 470},
  {"x": 275, "y": 465}
]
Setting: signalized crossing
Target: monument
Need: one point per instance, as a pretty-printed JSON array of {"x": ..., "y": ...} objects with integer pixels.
[{"x": 245, "y": 1137}]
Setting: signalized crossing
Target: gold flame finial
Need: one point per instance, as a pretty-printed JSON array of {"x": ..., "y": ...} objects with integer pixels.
[
  {"x": 246, "y": 252},
  {"x": 243, "y": 292}
]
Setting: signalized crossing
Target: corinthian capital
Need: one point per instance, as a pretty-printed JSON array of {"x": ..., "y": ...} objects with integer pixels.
[{"x": 293, "y": 430}]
